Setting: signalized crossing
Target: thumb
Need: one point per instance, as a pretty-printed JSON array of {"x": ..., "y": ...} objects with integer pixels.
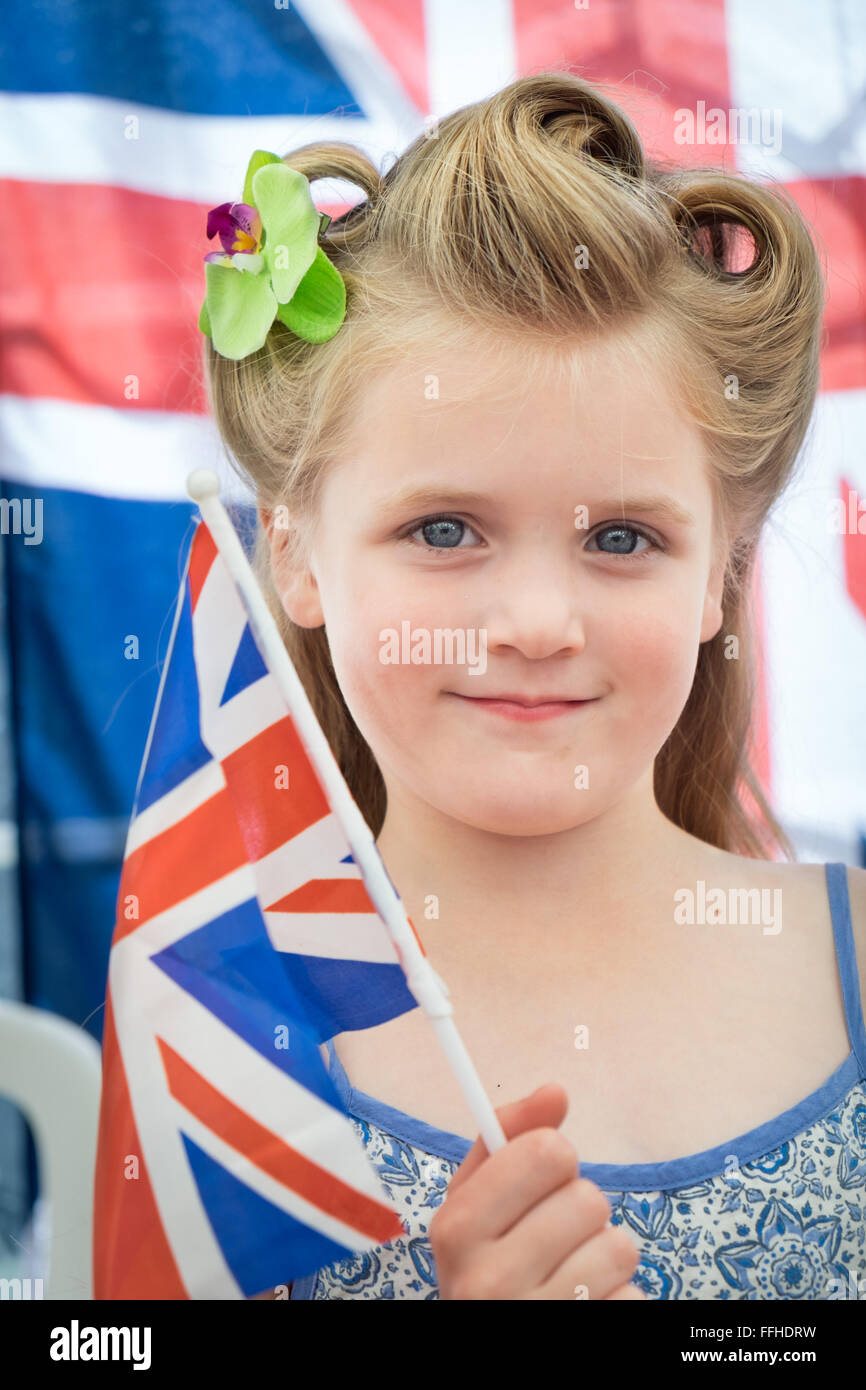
[{"x": 543, "y": 1109}]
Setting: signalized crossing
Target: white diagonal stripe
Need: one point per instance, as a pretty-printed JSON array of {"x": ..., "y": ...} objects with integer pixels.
[
  {"x": 194, "y": 911},
  {"x": 138, "y": 454},
  {"x": 183, "y": 799},
  {"x": 226, "y": 728},
  {"x": 315, "y": 852},
  {"x": 218, "y": 623},
  {"x": 333, "y": 935}
]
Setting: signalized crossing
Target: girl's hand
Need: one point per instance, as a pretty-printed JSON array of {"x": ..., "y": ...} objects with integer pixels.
[{"x": 519, "y": 1223}]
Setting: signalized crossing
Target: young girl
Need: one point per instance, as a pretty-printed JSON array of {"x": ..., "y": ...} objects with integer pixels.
[{"x": 569, "y": 388}]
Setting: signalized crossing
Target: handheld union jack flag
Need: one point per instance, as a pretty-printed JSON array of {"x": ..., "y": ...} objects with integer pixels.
[{"x": 244, "y": 938}]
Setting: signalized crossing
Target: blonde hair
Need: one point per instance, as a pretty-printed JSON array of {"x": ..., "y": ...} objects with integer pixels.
[{"x": 475, "y": 227}]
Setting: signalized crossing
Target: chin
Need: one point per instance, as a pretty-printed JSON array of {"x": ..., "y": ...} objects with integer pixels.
[{"x": 521, "y": 820}]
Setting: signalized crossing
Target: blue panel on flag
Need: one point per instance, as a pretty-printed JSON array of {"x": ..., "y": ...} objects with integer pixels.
[
  {"x": 340, "y": 995},
  {"x": 177, "y": 749},
  {"x": 178, "y": 55},
  {"x": 240, "y": 1218},
  {"x": 228, "y": 966},
  {"x": 247, "y": 667}
]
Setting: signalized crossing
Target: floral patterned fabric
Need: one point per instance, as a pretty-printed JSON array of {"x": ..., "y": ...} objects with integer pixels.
[
  {"x": 788, "y": 1226},
  {"x": 788, "y": 1223}
]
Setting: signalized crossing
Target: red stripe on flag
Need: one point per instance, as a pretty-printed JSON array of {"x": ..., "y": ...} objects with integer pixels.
[
  {"x": 113, "y": 319},
  {"x": 270, "y": 814},
  {"x": 657, "y": 56},
  {"x": 397, "y": 28},
  {"x": 120, "y": 327},
  {"x": 336, "y": 895},
  {"x": 835, "y": 209},
  {"x": 202, "y": 554},
  {"x": 131, "y": 1254},
  {"x": 195, "y": 852},
  {"x": 268, "y": 1151},
  {"x": 415, "y": 934},
  {"x": 327, "y": 895}
]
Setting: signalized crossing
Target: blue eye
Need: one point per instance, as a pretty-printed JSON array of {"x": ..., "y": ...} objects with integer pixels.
[
  {"x": 441, "y": 528},
  {"x": 624, "y": 544}
]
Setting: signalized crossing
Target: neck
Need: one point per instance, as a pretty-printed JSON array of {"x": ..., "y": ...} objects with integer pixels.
[{"x": 523, "y": 887}]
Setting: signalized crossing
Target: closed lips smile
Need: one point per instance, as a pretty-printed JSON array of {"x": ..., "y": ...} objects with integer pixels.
[{"x": 523, "y": 710}]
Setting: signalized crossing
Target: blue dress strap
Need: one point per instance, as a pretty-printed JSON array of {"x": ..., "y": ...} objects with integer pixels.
[{"x": 846, "y": 955}]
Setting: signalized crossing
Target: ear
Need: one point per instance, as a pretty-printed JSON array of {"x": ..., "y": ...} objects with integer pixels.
[
  {"x": 294, "y": 581},
  {"x": 713, "y": 615}
]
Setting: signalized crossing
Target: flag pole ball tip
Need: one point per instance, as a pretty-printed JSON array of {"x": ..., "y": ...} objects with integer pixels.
[{"x": 201, "y": 483}]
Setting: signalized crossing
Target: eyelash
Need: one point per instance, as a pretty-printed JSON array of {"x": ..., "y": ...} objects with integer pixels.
[{"x": 407, "y": 535}]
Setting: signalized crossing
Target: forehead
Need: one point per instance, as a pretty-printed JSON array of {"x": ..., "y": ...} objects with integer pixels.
[{"x": 520, "y": 419}]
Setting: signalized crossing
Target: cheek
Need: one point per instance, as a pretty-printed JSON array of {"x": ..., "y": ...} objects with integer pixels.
[
  {"x": 654, "y": 657},
  {"x": 378, "y": 691}
]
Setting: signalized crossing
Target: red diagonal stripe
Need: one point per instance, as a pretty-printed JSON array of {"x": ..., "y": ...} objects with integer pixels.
[
  {"x": 286, "y": 1165},
  {"x": 415, "y": 934},
  {"x": 131, "y": 1254},
  {"x": 196, "y": 851},
  {"x": 327, "y": 895},
  {"x": 201, "y": 558},
  {"x": 270, "y": 814}
]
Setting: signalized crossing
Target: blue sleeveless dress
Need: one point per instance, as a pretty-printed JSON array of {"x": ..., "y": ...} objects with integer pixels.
[{"x": 789, "y": 1223}]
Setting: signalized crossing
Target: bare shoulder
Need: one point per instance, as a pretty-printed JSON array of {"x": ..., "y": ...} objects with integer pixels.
[{"x": 810, "y": 905}]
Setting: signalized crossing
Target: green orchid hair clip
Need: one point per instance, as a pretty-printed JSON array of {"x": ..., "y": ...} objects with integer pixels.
[{"x": 271, "y": 265}]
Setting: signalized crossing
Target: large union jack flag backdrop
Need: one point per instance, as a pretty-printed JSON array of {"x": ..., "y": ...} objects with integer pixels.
[
  {"x": 245, "y": 937},
  {"x": 119, "y": 128}
]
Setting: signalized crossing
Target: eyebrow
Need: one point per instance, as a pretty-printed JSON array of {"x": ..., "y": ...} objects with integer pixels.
[{"x": 656, "y": 504}]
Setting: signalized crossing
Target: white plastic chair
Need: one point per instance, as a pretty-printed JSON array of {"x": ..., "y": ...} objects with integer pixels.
[{"x": 52, "y": 1071}]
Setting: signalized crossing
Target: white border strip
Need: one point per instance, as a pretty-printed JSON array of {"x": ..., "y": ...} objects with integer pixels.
[{"x": 142, "y": 455}]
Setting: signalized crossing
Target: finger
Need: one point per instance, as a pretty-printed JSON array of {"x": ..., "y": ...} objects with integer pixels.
[
  {"x": 548, "y": 1233},
  {"x": 506, "y": 1188},
  {"x": 601, "y": 1264},
  {"x": 627, "y": 1293},
  {"x": 546, "y": 1107}
]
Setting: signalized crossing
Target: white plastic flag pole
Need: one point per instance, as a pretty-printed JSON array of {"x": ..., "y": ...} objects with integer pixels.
[{"x": 429, "y": 990}]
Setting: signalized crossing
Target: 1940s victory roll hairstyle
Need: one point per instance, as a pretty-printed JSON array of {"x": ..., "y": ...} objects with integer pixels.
[{"x": 474, "y": 231}]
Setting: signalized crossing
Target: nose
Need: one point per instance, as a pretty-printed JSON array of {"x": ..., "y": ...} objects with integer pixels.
[{"x": 535, "y": 604}]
